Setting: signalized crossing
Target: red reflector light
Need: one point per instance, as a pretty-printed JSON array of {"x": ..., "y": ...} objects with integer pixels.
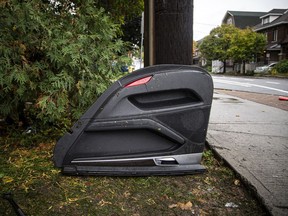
[{"x": 139, "y": 82}]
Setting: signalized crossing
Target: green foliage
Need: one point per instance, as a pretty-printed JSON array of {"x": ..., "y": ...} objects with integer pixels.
[
  {"x": 228, "y": 42},
  {"x": 215, "y": 46},
  {"x": 208, "y": 158},
  {"x": 128, "y": 14},
  {"x": 246, "y": 44},
  {"x": 59, "y": 56},
  {"x": 122, "y": 11},
  {"x": 282, "y": 66}
]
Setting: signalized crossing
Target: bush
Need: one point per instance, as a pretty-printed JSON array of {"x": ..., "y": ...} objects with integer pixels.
[
  {"x": 282, "y": 66},
  {"x": 58, "y": 57}
]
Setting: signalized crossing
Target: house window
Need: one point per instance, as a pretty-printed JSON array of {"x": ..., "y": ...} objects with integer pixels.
[
  {"x": 266, "y": 35},
  {"x": 275, "y": 35},
  {"x": 265, "y": 20},
  {"x": 229, "y": 21}
]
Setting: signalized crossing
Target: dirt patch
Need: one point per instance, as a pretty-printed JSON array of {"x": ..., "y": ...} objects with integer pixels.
[{"x": 270, "y": 100}]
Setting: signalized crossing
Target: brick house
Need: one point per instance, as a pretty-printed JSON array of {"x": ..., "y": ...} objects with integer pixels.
[{"x": 274, "y": 25}]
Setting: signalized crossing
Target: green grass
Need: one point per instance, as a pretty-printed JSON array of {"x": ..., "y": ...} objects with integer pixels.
[{"x": 40, "y": 188}]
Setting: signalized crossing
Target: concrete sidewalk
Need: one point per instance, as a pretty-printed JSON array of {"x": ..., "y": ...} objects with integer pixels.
[{"x": 253, "y": 139}]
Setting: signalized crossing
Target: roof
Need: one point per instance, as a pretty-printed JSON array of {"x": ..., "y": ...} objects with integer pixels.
[
  {"x": 243, "y": 19},
  {"x": 274, "y": 12},
  {"x": 279, "y": 11},
  {"x": 279, "y": 21},
  {"x": 247, "y": 13}
]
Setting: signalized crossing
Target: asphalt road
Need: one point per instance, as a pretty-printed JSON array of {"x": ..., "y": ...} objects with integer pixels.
[{"x": 264, "y": 85}]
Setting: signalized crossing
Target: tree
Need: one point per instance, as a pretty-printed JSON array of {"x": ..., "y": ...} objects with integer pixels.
[
  {"x": 122, "y": 10},
  {"x": 215, "y": 46},
  {"x": 228, "y": 42},
  {"x": 58, "y": 55},
  {"x": 246, "y": 45},
  {"x": 127, "y": 13},
  {"x": 194, "y": 47}
]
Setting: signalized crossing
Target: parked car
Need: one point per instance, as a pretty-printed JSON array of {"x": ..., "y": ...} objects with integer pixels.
[{"x": 265, "y": 68}]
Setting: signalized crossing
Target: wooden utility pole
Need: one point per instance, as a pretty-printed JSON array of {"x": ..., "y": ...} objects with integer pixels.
[{"x": 168, "y": 35}]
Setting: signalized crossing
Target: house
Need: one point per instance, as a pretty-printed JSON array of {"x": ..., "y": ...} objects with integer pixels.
[
  {"x": 242, "y": 19},
  {"x": 197, "y": 57},
  {"x": 274, "y": 25}
]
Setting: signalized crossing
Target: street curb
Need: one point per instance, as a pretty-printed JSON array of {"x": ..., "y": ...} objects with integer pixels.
[{"x": 246, "y": 183}]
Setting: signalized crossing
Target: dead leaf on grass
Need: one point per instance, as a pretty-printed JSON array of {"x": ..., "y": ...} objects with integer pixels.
[
  {"x": 25, "y": 187},
  {"x": 165, "y": 197},
  {"x": 150, "y": 201},
  {"x": 237, "y": 182},
  {"x": 207, "y": 180},
  {"x": 54, "y": 171},
  {"x": 202, "y": 201},
  {"x": 186, "y": 206},
  {"x": 72, "y": 199},
  {"x": 127, "y": 194},
  {"x": 182, "y": 206},
  {"x": 7, "y": 179},
  {"x": 196, "y": 191},
  {"x": 103, "y": 203},
  {"x": 202, "y": 212},
  {"x": 173, "y": 206}
]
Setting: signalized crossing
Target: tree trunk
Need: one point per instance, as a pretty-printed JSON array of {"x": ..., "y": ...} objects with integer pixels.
[
  {"x": 244, "y": 68},
  {"x": 224, "y": 66},
  {"x": 169, "y": 27}
]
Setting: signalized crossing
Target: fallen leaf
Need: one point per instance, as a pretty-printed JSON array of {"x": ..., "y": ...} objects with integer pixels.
[
  {"x": 23, "y": 186},
  {"x": 202, "y": 201},
  {"x": 207, "y": 181},
  {"x": 72, "y": 199},
  {"x": 103, "y": 203},
  {"x": 150, "y": 201},
  {"x": 202, "y": 212},
  {"x": 54, "y": 171},
  {"x": 196, "y": 191},
  {"x": 7, "y": 179},
  {"x": 127, "y": 194},
  {"x": 236, "y": 182},
  {"x": 182, "y": 206},
  {"x": 165, "y": 197},
  {"x": 186, "y": 206},
  {"x": 173, "y": 206}
]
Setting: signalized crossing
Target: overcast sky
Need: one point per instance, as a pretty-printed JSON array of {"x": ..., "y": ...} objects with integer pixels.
[{"x": 208, "y": 14}]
